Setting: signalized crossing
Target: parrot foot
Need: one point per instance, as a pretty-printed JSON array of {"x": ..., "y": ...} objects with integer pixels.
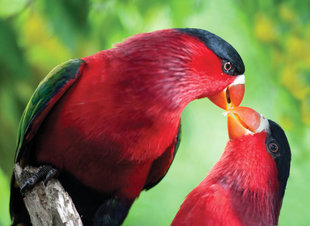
[
  {"x": 46, "y": 173},
  {"x": 111, "y": 213}
]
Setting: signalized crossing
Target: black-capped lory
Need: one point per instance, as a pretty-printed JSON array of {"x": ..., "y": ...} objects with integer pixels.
[
  {"x": 110, "y": 122},
  {"x": 246, "y": 186}
]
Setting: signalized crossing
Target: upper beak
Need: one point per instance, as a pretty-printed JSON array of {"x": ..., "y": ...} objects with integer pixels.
[
  {"x": 230, "y": 96},
  {"x": 243, "y": 121}
]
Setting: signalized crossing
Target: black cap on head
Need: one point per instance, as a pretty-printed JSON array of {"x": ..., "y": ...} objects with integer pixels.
[
  {"x": 220, "y": 47},
  {"x": 278, "y": 146}
]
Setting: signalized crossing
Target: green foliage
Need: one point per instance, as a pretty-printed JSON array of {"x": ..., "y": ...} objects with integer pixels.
[
  {"x": 11, "y": 54},
  {"x": 271, "y": 36},
  {"x": 4, "y": 199},
  {"x": 9, "y": 8},
  {"x": 67, "y": 18}
]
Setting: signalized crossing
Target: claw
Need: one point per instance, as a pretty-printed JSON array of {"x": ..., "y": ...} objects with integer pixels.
[
  {"x": 30, "y": 182},
  {"x": 53, "y": 173},
  {"x": 46, "y": 173}
]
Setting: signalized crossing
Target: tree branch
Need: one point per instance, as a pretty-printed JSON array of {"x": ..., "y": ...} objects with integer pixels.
[{"x": 47, "y": 205}]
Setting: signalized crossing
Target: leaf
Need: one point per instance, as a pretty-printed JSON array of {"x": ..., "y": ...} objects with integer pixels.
[
  {"x": 68, "y": 19},
  {"x": 265, "y": 29},
  {"x": 43, "y": 48},
  {"x": 9, "y": 8},
  {"x": 12, "y": 61},
  {"x": 4, "y": 199}
]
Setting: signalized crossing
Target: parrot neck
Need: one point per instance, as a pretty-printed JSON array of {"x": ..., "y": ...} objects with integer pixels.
[
  {"x": 250, "y": 175},
  {"x": 158, "y": 89}
]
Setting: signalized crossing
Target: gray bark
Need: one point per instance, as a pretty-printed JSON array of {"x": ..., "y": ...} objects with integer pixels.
[{"x": 47, "y": 205}]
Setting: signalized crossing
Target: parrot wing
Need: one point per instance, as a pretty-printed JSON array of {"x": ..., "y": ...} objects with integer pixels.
[
  {"x": 162, "y": 164},
  {"x": 48, "y": 92}
]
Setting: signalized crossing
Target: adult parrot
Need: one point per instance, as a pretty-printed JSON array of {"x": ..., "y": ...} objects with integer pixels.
[
  {"x": 110, "y": 122},
  {"x": 246, "y": 186}
]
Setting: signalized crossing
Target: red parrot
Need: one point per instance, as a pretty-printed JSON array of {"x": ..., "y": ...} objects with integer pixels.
[
  {"x": 246, "y": 186},
  {"x": 110, "y": 122}
]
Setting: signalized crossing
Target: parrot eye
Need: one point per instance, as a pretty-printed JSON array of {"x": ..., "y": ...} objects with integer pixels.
[
  {"x": 273, "y": 147},
  {"x": 227, "y": 66}
]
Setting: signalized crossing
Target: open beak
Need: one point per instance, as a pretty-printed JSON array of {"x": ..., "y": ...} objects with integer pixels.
[
  {"x": 243, "y": 120},
  {"x": 232, "y": 95}
]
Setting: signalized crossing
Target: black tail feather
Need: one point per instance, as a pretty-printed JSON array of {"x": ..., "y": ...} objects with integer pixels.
[{"x": 18, "y": 211}]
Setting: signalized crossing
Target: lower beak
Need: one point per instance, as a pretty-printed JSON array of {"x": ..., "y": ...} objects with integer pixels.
[
  {"x": 242, "y": 121},
  {"x": 231, "y": 96}
]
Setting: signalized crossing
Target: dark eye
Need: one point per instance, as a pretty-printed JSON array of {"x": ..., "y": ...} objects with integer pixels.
[
  {"x": 273, "y": 147},
  {"x": 227, "y": 66}
]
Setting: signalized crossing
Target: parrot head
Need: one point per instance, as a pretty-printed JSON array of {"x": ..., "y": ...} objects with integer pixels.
[
  {"x": 259, "y": 154},
  {"x": 177, "y": 66},
  {"x": 219, "y": 61}
]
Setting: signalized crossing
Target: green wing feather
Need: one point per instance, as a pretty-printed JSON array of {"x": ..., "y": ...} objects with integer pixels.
[{"x": 48, "y": 92}]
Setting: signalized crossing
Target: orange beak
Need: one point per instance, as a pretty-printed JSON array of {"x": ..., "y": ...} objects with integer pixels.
[
  {"x": 231, "y": 96},
  {"x": 242, "y": 121}
]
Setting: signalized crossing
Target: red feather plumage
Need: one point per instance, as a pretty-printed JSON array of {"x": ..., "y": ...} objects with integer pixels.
[{"x": 241, "y": 189}]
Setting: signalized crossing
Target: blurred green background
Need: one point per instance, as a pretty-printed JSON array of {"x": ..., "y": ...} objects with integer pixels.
[{"x": 272, "y": 36}]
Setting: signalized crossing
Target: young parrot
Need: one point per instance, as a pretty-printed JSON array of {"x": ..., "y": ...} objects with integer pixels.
[
  {"x": 246, "y": 186},
  {"x": 110, "y": 122}
]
